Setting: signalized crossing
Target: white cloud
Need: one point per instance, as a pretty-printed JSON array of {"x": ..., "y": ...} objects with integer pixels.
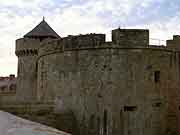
[{"x": 91, "y": 16}]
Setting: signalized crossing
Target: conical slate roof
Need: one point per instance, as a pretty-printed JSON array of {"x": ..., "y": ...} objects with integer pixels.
[{"x": 42, "y": 30}]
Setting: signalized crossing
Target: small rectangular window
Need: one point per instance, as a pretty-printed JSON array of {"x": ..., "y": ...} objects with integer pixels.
[
  {"x": 130, "y": 108},
  {"x": 156, "y": 76},
  {"x": 158, "y": 104},
  {"x": 105, "y": 122}
]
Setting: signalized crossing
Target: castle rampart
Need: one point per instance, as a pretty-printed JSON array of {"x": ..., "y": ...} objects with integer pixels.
[
  {"x": 97, "y": 41},
  {"x": 115, "y": 86},
  {"x": 122, "y": 87}
]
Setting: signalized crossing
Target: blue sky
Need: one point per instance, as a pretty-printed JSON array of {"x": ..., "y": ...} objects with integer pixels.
[{"x": 68, "y": 17}]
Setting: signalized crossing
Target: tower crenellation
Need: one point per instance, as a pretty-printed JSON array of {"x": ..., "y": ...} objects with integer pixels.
[
  {"x": 132, "y": 37},
  {"x": 72, "y": 43},
  {"x": 25, "y": 47}
]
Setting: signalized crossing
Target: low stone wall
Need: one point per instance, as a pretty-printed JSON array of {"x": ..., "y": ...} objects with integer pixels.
[
  {"x": 42, "y": 113},
  {"x": 30, "y": 107}
]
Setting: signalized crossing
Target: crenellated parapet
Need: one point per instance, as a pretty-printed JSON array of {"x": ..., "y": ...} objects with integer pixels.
[
  {"x": 174, "y": 44},
  {"x": 28, "y": 52},
  {"x": 121, "y": 39},
  {"x": 27, "y": 46},
  {"x": 131, "y": 37},
  {"x": 73, "y": 43}
]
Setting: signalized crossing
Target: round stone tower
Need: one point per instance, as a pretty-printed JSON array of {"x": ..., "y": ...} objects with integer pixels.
[
  {"x": 123, "y": 87},
  {"x": 27, "y": 52}
]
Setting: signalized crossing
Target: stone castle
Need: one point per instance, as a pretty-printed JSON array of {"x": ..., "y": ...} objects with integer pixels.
[{"x": 122, "y": 87}]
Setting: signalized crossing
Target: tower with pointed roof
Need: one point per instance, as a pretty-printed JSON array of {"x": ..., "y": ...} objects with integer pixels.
[{"x": 27, "y": 52}]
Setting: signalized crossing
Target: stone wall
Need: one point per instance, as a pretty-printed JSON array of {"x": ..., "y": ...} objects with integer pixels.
[
  {"x": 130, "y": 37},
  {"x": 174, "y": 44},
  {"x": 112, "y": 89},
  {"x": 43, "y": 113},
  {"x": 27, "y": 52},
  {"x": 100, "y": 88}
]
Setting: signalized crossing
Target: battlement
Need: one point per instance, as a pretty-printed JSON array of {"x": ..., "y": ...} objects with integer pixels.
[
  {"x": 27, "y": 46},
  {"x": 84, "y": 40},
  {"x": 131, "y": 37},
  {"x": 121, "y": 38},
  {"x": 27, "y": 43},
  {"x": 73, "y": 42},
  {"x": 174, "y": 43},
  {"x": 176, "y": 37}
]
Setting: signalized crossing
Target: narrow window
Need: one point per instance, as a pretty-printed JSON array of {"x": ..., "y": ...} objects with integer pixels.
[
  {"x": 121, "y": 122},
  {"x": 91, "y": 122},
  {"x": 36, "y": 66},
  {"x": 158, "y": 104},
  {"x": 105, "y": 123},
  {"x": 156, "y": 76},
  {"x": 98, "y": 125},
  {"x": 170, "y": 61},
  {"x": 130, "y": 108},
  {"x": 18, "y": 70}
]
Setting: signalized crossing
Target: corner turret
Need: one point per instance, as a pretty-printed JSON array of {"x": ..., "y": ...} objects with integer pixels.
[{"x": 27, "y": 52}]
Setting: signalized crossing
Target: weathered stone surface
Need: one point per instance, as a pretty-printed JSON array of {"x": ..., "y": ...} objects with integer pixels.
[
  {"x": 130, "y": 37},
  {"x": 91, "y": 82},
  {"x": 109, "y": 88},
  {"x": 118, "y": 81}
]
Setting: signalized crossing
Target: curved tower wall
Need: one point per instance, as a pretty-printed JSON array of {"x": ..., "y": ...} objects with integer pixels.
[
  {"x": 174, "y": 94},
  {"x": 27, "y": 52},
  {"x": 111, "y": 89}
]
